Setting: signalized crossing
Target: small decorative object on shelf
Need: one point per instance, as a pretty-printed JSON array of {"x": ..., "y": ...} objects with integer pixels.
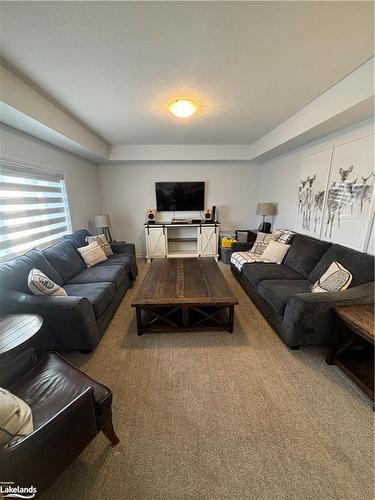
[{"x": 102, "y": 223}]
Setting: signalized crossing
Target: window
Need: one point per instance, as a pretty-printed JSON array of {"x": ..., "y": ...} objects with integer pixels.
[{"x": 33, "y": 208}]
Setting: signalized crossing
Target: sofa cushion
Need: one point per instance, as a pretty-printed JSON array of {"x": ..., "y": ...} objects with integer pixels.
[
  {"x": 259, "y": 271},
  {"x": 14, "y": 272},
  {"x": 277, "y": 292},
  {"x": 114, "y": 274},
  {"x": 360, "y": 265},
  {"x": 116, "y": 259},
  {"x": 78, "y": 238},
  {"x": 305, "y": 253},
  {"x": 65, "y": 258},
  {"x": 100, "y": 295},
  {"x": 52, "y": 384}
]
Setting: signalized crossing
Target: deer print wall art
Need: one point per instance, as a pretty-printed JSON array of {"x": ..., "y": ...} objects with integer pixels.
[{"x": 335, "y": 198}]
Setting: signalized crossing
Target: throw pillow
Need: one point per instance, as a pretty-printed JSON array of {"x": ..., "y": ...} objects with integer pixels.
[
  {"x": 275, "y": 252},
  {"x": 92, "y": 254},
  {"x": 16, "y": 418},
  {"x": 282, "y": 235},
  {"x": 40, "y": 284},
  {"x": 336, "y": 278},
  {"x": 261, "y": 243},
  {"x": 102, "y": 241}
]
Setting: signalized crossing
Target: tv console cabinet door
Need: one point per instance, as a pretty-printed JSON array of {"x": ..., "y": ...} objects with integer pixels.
[
  {"x": 209, "y": 241},
  {"x": 155, "y": 238}
]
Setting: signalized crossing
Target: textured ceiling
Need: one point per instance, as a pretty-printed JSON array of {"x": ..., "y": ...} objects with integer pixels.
[{"x": 250, "y": 64}]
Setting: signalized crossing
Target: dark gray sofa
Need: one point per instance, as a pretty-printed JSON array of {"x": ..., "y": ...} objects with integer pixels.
[
  {"x": 78, "y": 321},
  {"x": 282, "y": 292}
]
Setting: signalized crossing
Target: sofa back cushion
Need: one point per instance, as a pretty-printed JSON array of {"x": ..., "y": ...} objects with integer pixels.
[
  {"x": 360, "y": 265},
  {"x": 14, "y": 272},
  {"x": 305, "y": 253},
  {"x": 78, "y": 238},
  {"x": 65, "y": 258}
]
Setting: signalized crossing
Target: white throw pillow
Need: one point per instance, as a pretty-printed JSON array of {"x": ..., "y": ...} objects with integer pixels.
[
  {"x": 92, "y": 254},
  {"x": 275, "y": 252},
  {"x": 102, "y": 241},
  {"x": 40, "y": 284},
  {"x": 16, "y": 418},
  {"x": 336, "y": 278}
]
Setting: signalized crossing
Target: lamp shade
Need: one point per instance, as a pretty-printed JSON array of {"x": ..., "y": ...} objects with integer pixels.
[
  {"x": 265, "y": 209},
  {"x": 101, "y": 220}
]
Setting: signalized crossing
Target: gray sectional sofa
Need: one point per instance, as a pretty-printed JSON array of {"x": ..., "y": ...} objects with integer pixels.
[
  {"x": 78, "y": 321},
  {"x": 282, "y": 292}
]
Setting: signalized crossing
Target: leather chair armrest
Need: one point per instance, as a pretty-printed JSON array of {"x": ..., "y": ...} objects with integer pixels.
[
  {"x": 14, "y": 367},
  {"x": 242, "y": 246},
  {"x": 37, "y": 459},
  {"x": 309, "y": 315}
]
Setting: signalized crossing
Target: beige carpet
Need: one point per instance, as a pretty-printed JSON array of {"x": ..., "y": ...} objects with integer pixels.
[{"x": 220, "y": 416}]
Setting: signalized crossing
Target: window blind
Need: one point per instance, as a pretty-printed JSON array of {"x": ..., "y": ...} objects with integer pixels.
[{"x": 33, "y": 208}]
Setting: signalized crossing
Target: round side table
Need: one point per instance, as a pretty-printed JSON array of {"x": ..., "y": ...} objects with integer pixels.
[{"x": 17, "y": 331}]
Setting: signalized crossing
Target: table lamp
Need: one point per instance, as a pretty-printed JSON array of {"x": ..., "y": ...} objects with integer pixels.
[
  {"x": 264, "y": 209},
  {"x": 101, "y": 221}
]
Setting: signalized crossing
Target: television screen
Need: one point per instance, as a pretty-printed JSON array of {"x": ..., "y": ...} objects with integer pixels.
[{"x": 179, "y": 196}]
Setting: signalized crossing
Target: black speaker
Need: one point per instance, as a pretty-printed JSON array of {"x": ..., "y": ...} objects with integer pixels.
[
  {"x": 265, "y": 227},
  {"x": 208, "y": 215}
]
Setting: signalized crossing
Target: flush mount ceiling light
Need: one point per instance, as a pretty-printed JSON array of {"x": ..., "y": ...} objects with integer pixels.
[{"x": 182, "y": 108}]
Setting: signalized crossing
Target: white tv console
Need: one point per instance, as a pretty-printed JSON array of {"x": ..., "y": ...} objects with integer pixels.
[{"x": 166, "y": 239}]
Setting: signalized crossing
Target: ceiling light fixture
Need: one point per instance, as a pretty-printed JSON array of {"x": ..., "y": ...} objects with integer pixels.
[{"x": 182, "y": 108}]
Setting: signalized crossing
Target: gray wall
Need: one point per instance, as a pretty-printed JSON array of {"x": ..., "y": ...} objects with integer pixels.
[
  {"x": 80, "y": 175},
  {"x": 128, "y": 189}
]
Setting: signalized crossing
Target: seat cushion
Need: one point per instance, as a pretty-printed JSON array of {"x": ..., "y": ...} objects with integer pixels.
[
  {"x": 78, "y": 238},
  {"x": 277, "y": 292},
  {"x": 259, "y": 271},
  {"x": 114, "y": 274},
  {"x": 100, "y": 295},
  {"x": 360, "y": 265},
  {"x": 53, "y": 383},
  {"x": 117, "y": 258},
  {"x": 14, "y": 272},
  {"x": 304, "y": 253},
  {"x": 65, "y": 258}
]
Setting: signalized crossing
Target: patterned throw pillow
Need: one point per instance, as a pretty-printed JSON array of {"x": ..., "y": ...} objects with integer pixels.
[
  {"x": 102, "y": 241},
  {"x": 16, "y": 418},
  {"x": 282, "y": 235},
  {"x": 92, "y": 254},
  {"x": 336, "y": 278},
  {"x": 40, "y": 284},
  {"x": 261, "y": 243}
]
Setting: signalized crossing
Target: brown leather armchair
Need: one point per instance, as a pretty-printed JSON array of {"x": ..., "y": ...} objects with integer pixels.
[{"x": 69, "y": 410}]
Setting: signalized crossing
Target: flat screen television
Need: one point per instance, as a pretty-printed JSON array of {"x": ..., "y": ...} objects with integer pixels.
[{"x": 179, "y": 196}]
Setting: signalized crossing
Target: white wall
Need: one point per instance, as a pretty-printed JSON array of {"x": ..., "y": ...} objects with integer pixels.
[
  {"x": 128, "y": 190},
  {"x": 279, "y": 177},
  {"x": 80, "y": 175}
]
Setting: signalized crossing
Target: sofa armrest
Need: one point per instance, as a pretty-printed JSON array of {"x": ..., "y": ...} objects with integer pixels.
[
  {"x": 71, "y": 320},
  {"x": 242, "y": 246},
  {"x": 38, "y": 458},
  {"x": 308, "y": 317},
  {"x": 129, "y": 249},
  {"x": 14, "y": 367}
]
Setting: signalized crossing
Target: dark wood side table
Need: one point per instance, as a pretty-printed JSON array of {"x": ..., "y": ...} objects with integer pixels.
[
  {"x": 352, "y": 344},
  {"x": 251, "y": 234},
  {"x": 18, "y": 330}
]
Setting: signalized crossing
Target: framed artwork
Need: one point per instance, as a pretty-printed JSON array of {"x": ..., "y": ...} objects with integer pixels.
[
  {"x": 348, "y": 203},
  {"x": 312, "y": 192}
]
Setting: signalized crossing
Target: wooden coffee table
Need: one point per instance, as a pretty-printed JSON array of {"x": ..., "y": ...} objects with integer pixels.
[{"x": 184, "y": 294}]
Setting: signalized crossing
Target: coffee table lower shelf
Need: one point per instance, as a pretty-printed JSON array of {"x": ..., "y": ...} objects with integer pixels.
[{"x": 184, "y": 317}]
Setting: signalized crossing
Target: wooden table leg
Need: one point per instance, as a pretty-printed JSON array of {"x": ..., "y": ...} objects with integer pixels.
[
  {"x": 231, "y": 319},
  {"x": 185, "y": 316},
  {"x": 139, "y": 320}
]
